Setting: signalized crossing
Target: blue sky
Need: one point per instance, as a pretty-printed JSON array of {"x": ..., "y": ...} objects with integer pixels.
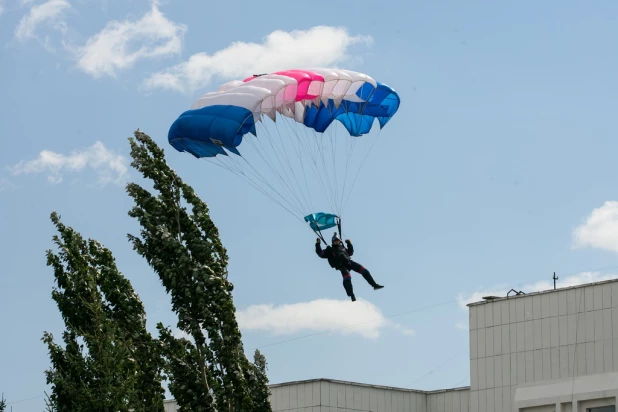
[{"x": 498, "y": 169}]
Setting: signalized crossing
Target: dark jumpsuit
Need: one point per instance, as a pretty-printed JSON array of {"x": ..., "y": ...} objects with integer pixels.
[{"x": 339, "y": 258}]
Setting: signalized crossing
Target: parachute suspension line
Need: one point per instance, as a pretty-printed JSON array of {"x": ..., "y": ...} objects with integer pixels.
[
  {"x": 277, "y": 174},
  {"x": 285, "y": 180},
  {"x": 305, "y": 156},
  {"x": 352, "y": 146},
  {"x": 239, "y": 172},
  {"x": 330, "y": 166},
  {"x": 259, "y": 176},
  {"x": 321, "y": 173},
  {"x": 312, "y": 148},
  {"x": 249, "y": 180},
  {"x": 278, "y": 156},
  {"x": 319, "y": 233},
  {"x": 321, "y": 143},
  {"x": 319, "y": 165},
  {"x": 314, "y": 144},
  {"x": 361, "y": 166},
  {"x": 337, "y": 140},
  {"x": 328, "y": 180},
  {"x": 339, "y": 227},
  {"x": 305, "y": 193},
  {"x": 312, "y": 155},
  {"x": 297, "y": 144},
  {"x": 333, "y": 141},
  {"x": 273, "y": 169},
  {"x": 331, "y": 138},
  {"x": 340, "y": 162},
  {"x": 233, "y": 160},
  {"x": 336, "y": 190},
  {"x": 296, "y": 141},
  {"x": 236, "y": 166}
]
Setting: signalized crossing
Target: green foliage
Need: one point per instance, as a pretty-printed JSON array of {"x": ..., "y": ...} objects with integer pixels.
[
  {"x": 207, "y": 370},
  {"x": 2, "y": 404},
  {"x": 260, "y": 391},
  {"x": 108, "y": 360}
]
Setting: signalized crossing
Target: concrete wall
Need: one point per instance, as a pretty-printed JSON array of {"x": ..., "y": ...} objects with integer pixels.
[
  {"x": 540, "y": 337},
  {"x": 170, "y": 406},
  {"x": 449, "y": 401},
  {"x": 327, "y": 395},
  {"x": 566, "y": 395}
]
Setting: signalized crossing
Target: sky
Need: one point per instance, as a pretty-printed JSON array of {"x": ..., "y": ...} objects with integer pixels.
[{"x": 497, "y": 171}]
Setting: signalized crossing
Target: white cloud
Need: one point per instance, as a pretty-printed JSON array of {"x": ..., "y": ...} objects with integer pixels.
[
  {"x": 47, "y": 14},
  {"x": 600, "y": 230},
  {"x": 461, "y": 325},
  {"x": 318, "y": 46},
  {"x": 122, "y": 43},
  {"x": 501, "y": 290},
  {"x": 6, "y": 184},
  {"x": 110, "y": 167},
  {"x": 360, "y": 317},
  {"x": 1, "y": 8},
  {"x": 404, "y": 330}
]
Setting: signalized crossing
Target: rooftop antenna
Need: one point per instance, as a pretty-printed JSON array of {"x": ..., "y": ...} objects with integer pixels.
[{"x": 555, "y": 278}]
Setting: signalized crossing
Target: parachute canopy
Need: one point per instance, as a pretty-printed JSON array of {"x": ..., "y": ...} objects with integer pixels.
[
  {"x": 306, "y": 108},
  {"x": 312, "y": 97}
]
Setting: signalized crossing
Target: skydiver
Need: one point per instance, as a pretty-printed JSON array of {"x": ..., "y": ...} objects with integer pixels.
[{"x": 339, "y": 258}]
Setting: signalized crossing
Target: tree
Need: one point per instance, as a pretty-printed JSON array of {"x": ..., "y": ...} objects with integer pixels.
[
  {"x": 109, "y": 361},
  {"x": 2, "y": 404},
  {"x": 260, "y": 398},
  {"x": 207, "y": 370}
]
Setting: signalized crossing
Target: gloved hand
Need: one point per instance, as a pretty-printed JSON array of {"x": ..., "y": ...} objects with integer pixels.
[
  {"x": 348, "y": 241},
  {"x": 317, "y": 241}
]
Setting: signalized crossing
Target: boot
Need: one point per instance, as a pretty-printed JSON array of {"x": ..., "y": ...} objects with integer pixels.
[
  {"x": 347, "y": 285},
  {"x": 370, "y": 280}
]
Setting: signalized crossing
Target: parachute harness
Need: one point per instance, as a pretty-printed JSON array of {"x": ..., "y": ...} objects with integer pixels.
[{"x": 318, "y": 230}]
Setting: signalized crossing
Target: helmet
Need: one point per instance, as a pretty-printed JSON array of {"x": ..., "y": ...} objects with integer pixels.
[{"x": 335, "y": 237}]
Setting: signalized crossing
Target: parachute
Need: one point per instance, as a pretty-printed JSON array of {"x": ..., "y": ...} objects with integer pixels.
[{"x": 307, "y": 109}]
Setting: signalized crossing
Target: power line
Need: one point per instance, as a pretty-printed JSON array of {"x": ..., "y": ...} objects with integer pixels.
[
  {"x": 357, "y": 324},
  {"x": 436, "y": 368},
  {"x": 24, "y": 400},
  {"x": 462, "y": 381}
]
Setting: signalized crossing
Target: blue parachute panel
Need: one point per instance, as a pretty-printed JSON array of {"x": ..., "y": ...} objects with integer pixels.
[
  {"x": 321, "y": 221},
  {"x": 356, "y": 124},
  {"x": 380, "y": 103},
  {"x": 320, "y": 117},
  {"x": 204, "y": 132},
  {"x": 365, "y": 91},
  {"x": 387, "y": 100}
]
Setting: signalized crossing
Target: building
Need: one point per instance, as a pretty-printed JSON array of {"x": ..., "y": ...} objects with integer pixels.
[
  {"x": 550, "y": 351},
  {"x": 326, "y": 395},
  {"x": 555, "y": 350}
]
